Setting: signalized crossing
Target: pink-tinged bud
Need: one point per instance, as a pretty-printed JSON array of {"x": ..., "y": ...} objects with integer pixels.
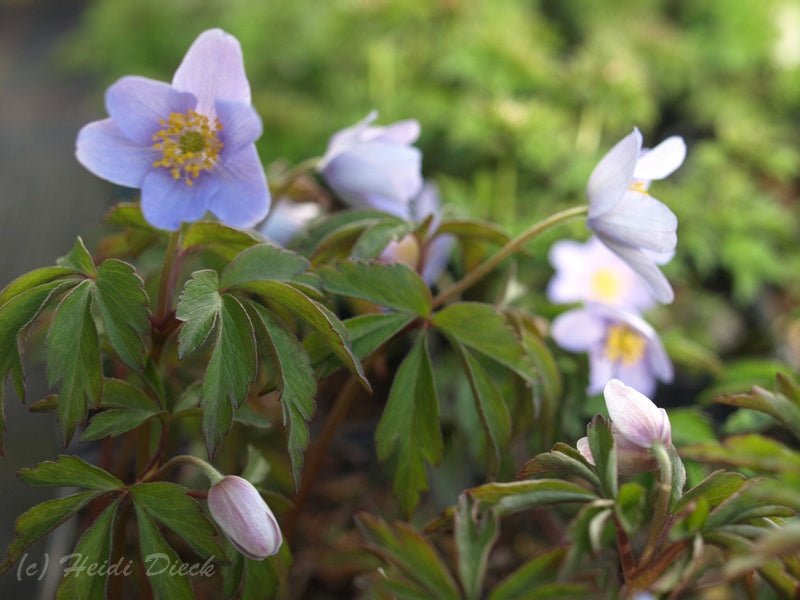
[
  {"x": 244, "y": 517},
  {"x": 636, "y": 424}
]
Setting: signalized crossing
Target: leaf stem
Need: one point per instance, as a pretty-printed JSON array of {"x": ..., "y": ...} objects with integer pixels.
[
  {"x": 168, "y": 274},
  {"x": 510, "y": 248},
  {"x": 213, "y": 475},
  {"x": 661, "y": 508}
]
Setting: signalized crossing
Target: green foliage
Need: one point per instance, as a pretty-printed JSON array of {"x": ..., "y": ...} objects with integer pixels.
[
  {"x": 126, "y": 407},
  {"x": 475, "y": 534},
  {"x": 409, "y": 428}
]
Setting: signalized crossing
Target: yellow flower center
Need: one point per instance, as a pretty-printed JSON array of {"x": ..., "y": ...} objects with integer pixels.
[
  {"x": 639, "y": 186},
  {"x": 189, "y": 144},
  {"x": 624, "y": 345},
  {"x": 605, "y": 285}
]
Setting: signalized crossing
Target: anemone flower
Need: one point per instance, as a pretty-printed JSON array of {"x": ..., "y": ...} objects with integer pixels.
[
  {"x": 374, "y": 167},
  {"x": 590, "y": 272},
  {"x": 625, "y": 217},
  {"x": 620, "y": 345},
  {"x": 188, "y": 145},
  {"x": 636, "y": 424},
  {"x": 287, "y": 219},
  {"x": 244, "y": 517}
]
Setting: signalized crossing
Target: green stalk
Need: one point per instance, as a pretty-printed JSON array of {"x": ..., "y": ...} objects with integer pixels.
[
  {"x": 510, "y": 248},
  {"x": 661, "y": 509}
]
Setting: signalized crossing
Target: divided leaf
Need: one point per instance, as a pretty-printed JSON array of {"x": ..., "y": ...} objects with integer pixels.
[
  {"x": 73, "y": 358},
  {"x": 297, "y": 384},
  {"x": 225, "y": 241},
  {"x": 156, "y": 555},
  {"x": 393, "y": 286},
  {"x": 79, "y": 259},
  {"x": 70, "y": 471},
  {"x": 476, "y": 531},
  {"x": 516, "y": 496},
  {"x": 260, "y": 263},
  {"x": 482, "y": 328},
  {"x": 409, "y": 427},
  {"x": 123, "y": 304},
  {"x": 168, "y": 503},
  {"x": 126, "y": 406},
  {"x": 198, "y": 307}
]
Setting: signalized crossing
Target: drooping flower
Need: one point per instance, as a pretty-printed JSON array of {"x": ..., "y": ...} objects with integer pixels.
[
  {"x": 244, "y": 517},
  {"x": 636, "y": 424},
  {"x": 625, "y": 217},
  {"x": 590, "y": 272},
  {"x": 437, "y": 253},
  {"x": 287, "y": 219},
  {"x": 374, "y": 167},
  {"x": 620, "y": 345},
  {"x": 188, "y": 145}
]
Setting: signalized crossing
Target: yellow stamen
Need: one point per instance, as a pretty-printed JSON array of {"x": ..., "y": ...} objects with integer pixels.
[
  {"x": 605, "y": 285},
  {"x": 189, "y": 144},
  {"x": 639, "y": 186},
  {"x": 624, "y": 345}
]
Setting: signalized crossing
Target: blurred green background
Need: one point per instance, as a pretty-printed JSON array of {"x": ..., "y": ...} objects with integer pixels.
[{"x": 518, "y": 100}]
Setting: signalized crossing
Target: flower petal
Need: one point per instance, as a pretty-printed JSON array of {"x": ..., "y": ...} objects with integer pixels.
[
  {"x": 241, "y": 124},
  {"x": 658, "y": 360},
  {"x": 638, "y": 376},
  {"x": 137, "y": 104},
  {"x": 639, "y": 220},
  {"x": 645, "y": 267},
  {"x": 601, "y": 369},
  {"x": 346, "y": 139},
  {"x": 578, "y": 330},
  {"x": 373, "y": 172},
  {"x": 613, "y": 174},
  {"x": 242, "y": 199},
  {"x": 213, "y": 69},
  {"x": 583, "y": 448},
  {"x": 402, "y": 132},
  {"x": 634, "y": 414},
  {"x": 105, "y": 151},
  {"x": 288, "y": 218},
  {"x": 437, "y": 258},
  {"x": 168, "y": 202},
  {"x": 661, "y": 161}
]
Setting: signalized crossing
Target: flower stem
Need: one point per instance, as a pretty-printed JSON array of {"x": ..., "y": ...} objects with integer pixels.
[
  {"x": 213, "y": 475},
  {"x": 510, "y": 248},
  {"x": 661, "y": 509},
  {"x": 292, "y": 174},
  {"x": 168, "y": 274}
]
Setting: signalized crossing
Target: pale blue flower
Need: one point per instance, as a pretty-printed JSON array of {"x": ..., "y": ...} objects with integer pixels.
[
  {"x": 625, "y": 217},
  {"x": 590, "y": 272},
  {"x": 188, "y": 145},
  {"x": 288, "y": 218},
  {"x": 374, "y": 167},
  {"x": 620, "y": 345},
  {"x": 636, "y": 424}
]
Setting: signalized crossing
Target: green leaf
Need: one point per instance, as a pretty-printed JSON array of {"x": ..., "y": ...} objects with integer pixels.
[
  {"x": 123, "y": 304},
  {"x": 297, "y": 385},
  {"x": 560, "y": 464},
  {"x": 412, "y": 555},
  {"x": 129, "y": 214},
  {"x": 784, "y": 410},
  {"x": 367, "y": 333},
  {"x": 79, "y": 259},
  {"x": 262, "y": 262},
  {"x": 316, "y": 316},
  {"x": 375, "y": 239},
  {"x": 35, "y": 278},
  {"x": 476, "y": 532},
  {"x": 15, "y": 315},
  {"x": 490, "y": 406},
  {"x": 231, "y": 370},
  {"x": 198, "y": 308},
  {"x": 516, "y": 496},
  {"x": 70, "y": 471},
  {"x": 73, "y": 358},
  {"x": 482, "y": 328},
  {"x": 158, "y": 557},
  {"x": 40, "y": 520},
  {"x": 715, "y": 488},
  {"x": 753, "y": 499},
  {"x": 126, "y": 406},
  {"x": 168, "y": 503},
  {"x": 602, "y": 446},
  {"x": 220, "y": 239},
  {"x": 474, "y": 230},
  {"x": 393, "y": 286},
  {"x": 527, "y": 579},
  {"x": 93, "y": 548},
  {"x": 409, "y": 427},
  {"x": 750, "y": 451}
]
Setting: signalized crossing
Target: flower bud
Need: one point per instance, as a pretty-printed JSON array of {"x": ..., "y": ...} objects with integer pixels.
[{"x": 244, "y": 517}]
